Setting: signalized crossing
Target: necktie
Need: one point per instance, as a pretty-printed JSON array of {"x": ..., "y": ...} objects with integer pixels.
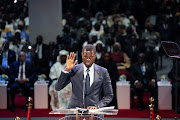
[
  {"x": 21, "y": 76},
  {"x": 87, "y": 81},
  {"x": 4, "y": 60},
  {"x": 143, "y": 72}
]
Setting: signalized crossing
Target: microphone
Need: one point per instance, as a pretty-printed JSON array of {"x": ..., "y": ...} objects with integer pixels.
[{"x": 84, "y": 84}]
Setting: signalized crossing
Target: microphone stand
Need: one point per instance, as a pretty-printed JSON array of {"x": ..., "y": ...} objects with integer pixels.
[
  {"x": 84, "y": 82},
  {"x": 176, "y": 63},
  {"x": 83, "y": 110}
]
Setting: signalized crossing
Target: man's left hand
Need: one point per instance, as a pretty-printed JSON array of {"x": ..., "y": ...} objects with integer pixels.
[
  {"x": 92, "y": 107},
  {"x": 152, "y": 83},
  {"x": 24, "y": 80}
]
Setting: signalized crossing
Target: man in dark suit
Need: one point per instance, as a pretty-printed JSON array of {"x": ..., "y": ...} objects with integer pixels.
[
  {"x": 144, "y": 77},
  {"x": 43, "y": 55},
  {"x": 22, "y": 75},
  {"x": 7, "y": 57},
  {"x": 97, "y": 80}
]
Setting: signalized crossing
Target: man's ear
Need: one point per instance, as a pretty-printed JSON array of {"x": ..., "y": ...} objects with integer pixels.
[{"x": 95, "y": 55}]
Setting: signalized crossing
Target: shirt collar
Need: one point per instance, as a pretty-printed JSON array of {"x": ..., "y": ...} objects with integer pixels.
[
  {"x": 22, "y": 63},
  {"x": 90, "y": 69}
]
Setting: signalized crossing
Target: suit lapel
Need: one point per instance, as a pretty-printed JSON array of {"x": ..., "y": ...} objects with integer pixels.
[
  {"x": 80, "y": 75},
  {"x": 139, "y": 69},
  {"x": 147, "y": 68},
  {"x": 17, "y": 68}
]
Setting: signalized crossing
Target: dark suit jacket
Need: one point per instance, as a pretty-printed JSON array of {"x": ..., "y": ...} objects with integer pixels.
[
  {"x": 43, "y": 63},
  {"x": 93, "y": 97},
  {"x": 45, "y": 52},
  {"x": 29, "y": 72},
  {"x": 136, "y": 73},
  {"x": 11, "y": 57}
]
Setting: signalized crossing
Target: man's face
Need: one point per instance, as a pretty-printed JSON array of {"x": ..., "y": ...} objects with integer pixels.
[
  {"x": 63, "y": 59},
  {"x": 22, "y": 57},
  {"x": 98, "y": 48},
  {"x": 116, "y": 48},
  {"x": 107, "y": 57},
  {"x": 88, "y": 57},
  {"x": 141, "y": 59}
]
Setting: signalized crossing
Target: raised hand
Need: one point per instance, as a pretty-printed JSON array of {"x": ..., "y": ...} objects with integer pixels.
[{"x": 70, "y": 63}]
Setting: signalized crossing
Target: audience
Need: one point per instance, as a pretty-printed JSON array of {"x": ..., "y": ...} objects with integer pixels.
[
  {"x": 144, "y": 77},
  {"x": 132, "y": 48},
  {"x": 7, "y": 57},
  {"x": 22, "y": 75},
  {"x": 121, "y": 59},
  {"x": 43, "y": 56},
  {"x": 99, "y": 51},
  {"x": 59, "y": 99},
  {"x": 110, "y": 65},
  {"x": 31, "y": 55}
]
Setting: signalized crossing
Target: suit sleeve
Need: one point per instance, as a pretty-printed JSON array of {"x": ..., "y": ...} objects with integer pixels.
[
  {"x": 107, "y": 90},
  {"x": 31, "y": 73},
  {"x": 63, "y": 80},
  {"x": 12, "y": 73},
  {"x": 133, "y": 78}
]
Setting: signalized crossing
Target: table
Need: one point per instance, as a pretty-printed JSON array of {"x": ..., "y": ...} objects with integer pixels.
[
  {"x": 40, "y": 95},
  {"x": 164, "y": 95},
  {"x": 3, "y": 96},
  {"x": 123, "y": 95}
]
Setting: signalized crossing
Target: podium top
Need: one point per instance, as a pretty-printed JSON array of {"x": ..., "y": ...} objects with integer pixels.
[
  {"x": 104, "y": 111},
  {"x": 171, "y": 48}
]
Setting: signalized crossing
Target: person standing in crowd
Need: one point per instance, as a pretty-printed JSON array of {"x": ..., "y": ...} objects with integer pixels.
[
  {"x": 97, "y": 81},
  {"x": 7, "y": 57},
  {"x": 59, "y": 99},
  {"x": 22, "y": 75},
  {"x": 43, "y": 55}
]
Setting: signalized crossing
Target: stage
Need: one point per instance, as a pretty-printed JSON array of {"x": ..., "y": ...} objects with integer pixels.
[{"x": 57, "y": 118}]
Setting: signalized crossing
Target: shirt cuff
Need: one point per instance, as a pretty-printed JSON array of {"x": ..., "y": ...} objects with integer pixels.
[
  {"x": 64, "y": 71},
  {"x": 136, "y": 82},
  {"x": 97, "y": 106},
  {"x": 153, "y": 80}
]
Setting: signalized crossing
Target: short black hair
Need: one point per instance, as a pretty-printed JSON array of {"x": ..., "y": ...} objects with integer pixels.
[
  {"x": 142, "y": 55},
  {"x": 89, "y": 47}
]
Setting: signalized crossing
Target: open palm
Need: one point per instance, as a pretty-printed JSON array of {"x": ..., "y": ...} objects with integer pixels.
[{"x": 70, "y": 63}]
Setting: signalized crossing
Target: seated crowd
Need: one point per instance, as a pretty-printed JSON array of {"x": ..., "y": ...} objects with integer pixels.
[{"x": 123, "y": 48}]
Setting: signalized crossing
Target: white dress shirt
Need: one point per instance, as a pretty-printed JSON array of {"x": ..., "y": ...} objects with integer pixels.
[
  {"x": 91, "y": 73},
  {"x": 19, "y": 74},
  {"x": 39, "y": 51}
]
